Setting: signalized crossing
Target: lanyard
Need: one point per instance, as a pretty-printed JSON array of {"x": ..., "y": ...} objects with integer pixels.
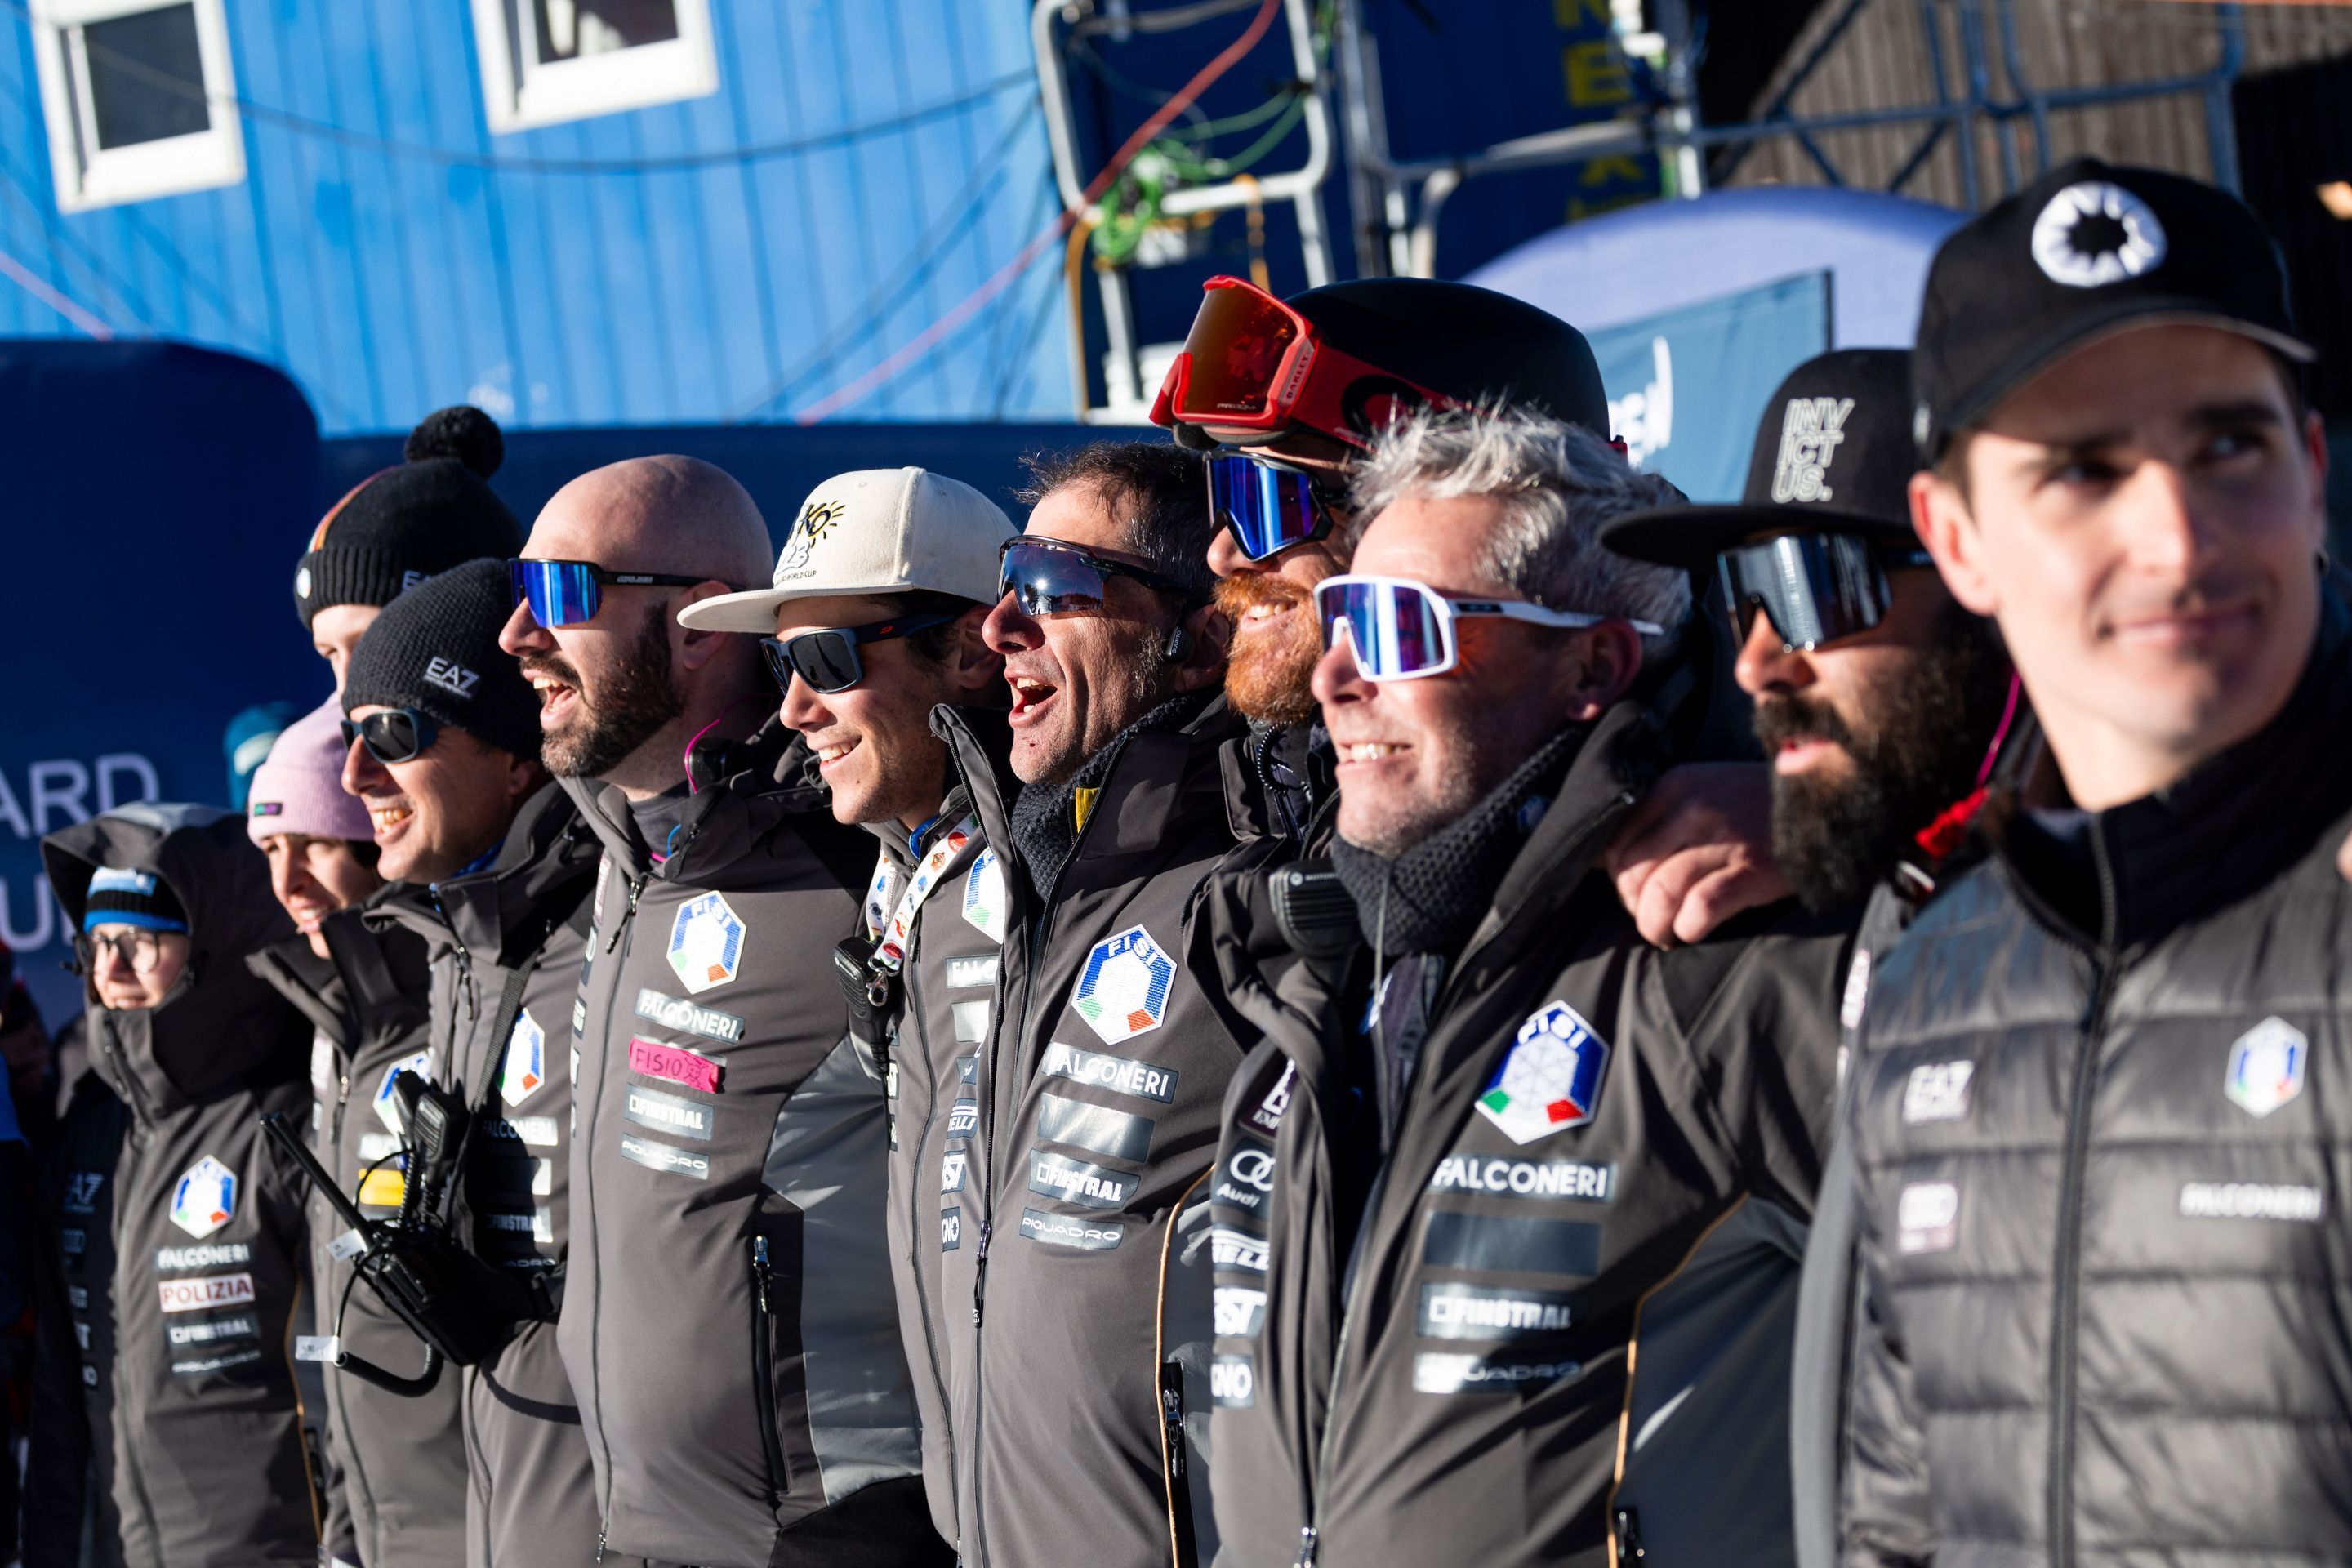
[{"x": 893, "y": 932}]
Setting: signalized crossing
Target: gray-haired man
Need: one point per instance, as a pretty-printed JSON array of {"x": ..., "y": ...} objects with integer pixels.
[{"x": 1472, "y": 1153}]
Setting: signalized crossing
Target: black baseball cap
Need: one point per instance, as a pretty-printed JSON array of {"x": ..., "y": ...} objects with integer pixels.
[
  {"x": 2084, "y": 252},
  {"x": 1833, "y": 455}
]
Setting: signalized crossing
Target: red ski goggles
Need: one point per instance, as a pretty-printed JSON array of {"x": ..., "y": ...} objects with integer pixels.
[{"x": 1252, "y": 367}]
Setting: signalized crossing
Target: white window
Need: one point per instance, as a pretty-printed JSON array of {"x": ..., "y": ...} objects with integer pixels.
[
  {"x": 139, "y": 97},
  {"x": 545, "y": 61}
]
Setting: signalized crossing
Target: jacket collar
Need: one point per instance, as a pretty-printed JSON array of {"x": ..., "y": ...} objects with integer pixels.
[{"x": 722, "y": 823}]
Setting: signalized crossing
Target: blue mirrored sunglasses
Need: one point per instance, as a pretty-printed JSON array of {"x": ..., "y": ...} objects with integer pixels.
[
  {"x": 1267, "y": 508},
  {"x": 567, "y": 592}
]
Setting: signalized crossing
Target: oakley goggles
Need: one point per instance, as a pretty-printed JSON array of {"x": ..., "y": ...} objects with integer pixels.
[
  {"x": 1815, "y": 589},
  {"x": 826, "y": 660},
  {"x": 1252, "y": 366},
  {"x": 394, "y": 735},
  {"x": 1398, "y": 629},
  {"x": 568, "y": 592},
  {"x": 1050, "y": 578},
  {"x": 1267, "y": 507}
]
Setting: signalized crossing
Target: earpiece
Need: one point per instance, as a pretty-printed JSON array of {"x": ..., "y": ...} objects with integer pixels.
[
  {"x": 1180, "y": 644},
  {"x": 711, "y": 760}
]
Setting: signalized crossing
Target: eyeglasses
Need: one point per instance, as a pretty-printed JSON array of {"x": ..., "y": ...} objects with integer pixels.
[
  {"x": 1265, "y": 506},
  {"x": 392, "y": 735},
  {"x": 1815, "y": 589},
  {"x": 1050, "y": 578},
  {"x": 1251, "y": 363},
  {"x": 142, "y": 949},
  {"x": 1398, "y": 629},
  {"x": 567, "y": 592},
  {"x": 826, "y": 660}
]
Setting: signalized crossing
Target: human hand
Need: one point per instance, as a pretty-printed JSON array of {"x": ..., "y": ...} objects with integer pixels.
[{"x": 1698, "y": 850}]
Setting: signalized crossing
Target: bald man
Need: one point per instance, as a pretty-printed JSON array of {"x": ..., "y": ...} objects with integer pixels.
[{"x": 728, "y": 1321}]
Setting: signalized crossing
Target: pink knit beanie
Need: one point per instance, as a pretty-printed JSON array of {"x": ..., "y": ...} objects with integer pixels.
[{"x": 301, "y": 788}]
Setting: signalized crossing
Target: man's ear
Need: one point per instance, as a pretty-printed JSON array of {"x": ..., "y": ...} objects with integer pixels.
[
  {"x": 1940, "y": 516},
  {"x": 1211, "y": 633},
  {"x": 697, "y": 648},
  {"x": 524, "y": 775},
  {"x": 1602, "y": 669},
  {"x": 975, "y": 671}
]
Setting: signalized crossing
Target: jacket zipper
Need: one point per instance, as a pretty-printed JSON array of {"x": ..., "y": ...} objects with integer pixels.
[
  {"x": 138, "y": 1141},
  {"x": 2065, "y": 1276},
  {"x": 1309, "y": 1529},
  {"x": 763, "y": 1370},
  {"x": 624, "y": 931}
]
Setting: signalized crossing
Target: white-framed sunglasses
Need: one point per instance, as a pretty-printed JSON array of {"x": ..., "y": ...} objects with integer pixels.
[{"x": 1398, "y": 629}]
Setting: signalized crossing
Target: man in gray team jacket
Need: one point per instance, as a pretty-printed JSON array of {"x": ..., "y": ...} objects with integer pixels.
[
  {"x": 727, "y": 1315},
  {"x": 1471, "y": 1168}
]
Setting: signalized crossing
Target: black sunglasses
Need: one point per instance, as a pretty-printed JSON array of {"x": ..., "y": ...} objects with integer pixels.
[
  {"x": 826, "y": 660},
  {"x": 1815, "y": 589},
  {"x": 1050, "y": 578},
  {"x": 394, "y": 735}
]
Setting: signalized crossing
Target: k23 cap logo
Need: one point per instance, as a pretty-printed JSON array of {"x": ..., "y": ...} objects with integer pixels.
[
  {"x": 706, "y": 943},
  {"x": 206, "y": 1198},
  {"x": 1122, "y": 991},
  {"x": 1550, "y": 1080}
]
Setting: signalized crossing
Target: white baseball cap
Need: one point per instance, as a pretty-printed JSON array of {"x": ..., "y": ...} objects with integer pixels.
[{"x": 877, "y": 531}]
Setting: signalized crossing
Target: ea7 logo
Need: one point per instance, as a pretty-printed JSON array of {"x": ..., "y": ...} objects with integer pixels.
[{"x": 451, "y": 676}]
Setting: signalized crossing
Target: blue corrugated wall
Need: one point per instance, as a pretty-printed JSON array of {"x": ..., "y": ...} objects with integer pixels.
[{"x": 393, "y": 256}]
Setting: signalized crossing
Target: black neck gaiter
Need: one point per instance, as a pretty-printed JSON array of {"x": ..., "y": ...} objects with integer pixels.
[
  {"x": 1045, "y": 816},
  {"x": 1430, "y": 898}
]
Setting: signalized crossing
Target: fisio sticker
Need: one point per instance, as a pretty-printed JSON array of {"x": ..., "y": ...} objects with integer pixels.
[
  {"x": 985, "y": 904},
  {"x": 526, "y": 1064},
  {"x": 656, "y": 1059},
  {"x": 1122, "y": 991},
  {"x": 387, "y": 1108},
  {"x": 206, "y": 1198},
  {"x": 706, "y": 943},
  {"x": 1551, "y": 1080}
]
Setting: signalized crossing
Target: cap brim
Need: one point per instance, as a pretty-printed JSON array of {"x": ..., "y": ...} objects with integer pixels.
[
  {"x": 1691, "y": 537},
  {"x": 2129, "y": 316},
  {"x": 755, "y": 611}
]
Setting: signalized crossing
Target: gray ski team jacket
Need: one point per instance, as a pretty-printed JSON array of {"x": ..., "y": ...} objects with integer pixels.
[
  {"x": 1602, "y": 1149},
  {"x": 178, "y": 1233},
  {"x": 1071, "y": 1188},
  {"x": 946, "y": 1000},
  {"x": 2102, "y": 1181},
  {"x": 728, "y": 1316},
  {"x": 395, "y": 1466},
  {"x": 530, "y": 1496}
]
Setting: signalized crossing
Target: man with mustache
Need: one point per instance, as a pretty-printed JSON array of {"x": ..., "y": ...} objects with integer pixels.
[
  {"x": 727, "y": 1315},
  {"x": 1882, "y": 705},
  {"x": 1074, "y": 1188},
  {"x": 2091, "y": 1106}
]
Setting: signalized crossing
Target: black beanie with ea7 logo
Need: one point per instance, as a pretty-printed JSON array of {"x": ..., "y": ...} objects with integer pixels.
[
  {"x": 435, "y": 649},
  {"x": 403, "y": 524}
]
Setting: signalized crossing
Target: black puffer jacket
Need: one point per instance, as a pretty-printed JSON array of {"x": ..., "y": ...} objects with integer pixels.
[
  {"x": 396, "y": 1471},
  {"x": 179, "y": 1233},
  {"x": 2102, "y": 1181}
]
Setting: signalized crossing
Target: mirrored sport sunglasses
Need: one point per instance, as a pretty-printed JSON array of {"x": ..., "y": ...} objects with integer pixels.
[
  {"x": 826, "y": 660},
  {"x": 1050, "y": 578},
  {"x": 1815, "y": 589},
  {"x": 394, "y": 735},
  {"x": 1266, "y": 508},
  {"x": 1398, "y": 629},
  {"x": 568, "y": 592}
]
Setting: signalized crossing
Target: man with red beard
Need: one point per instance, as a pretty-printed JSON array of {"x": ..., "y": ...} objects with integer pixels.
[{"x": 1285, "y": 397}]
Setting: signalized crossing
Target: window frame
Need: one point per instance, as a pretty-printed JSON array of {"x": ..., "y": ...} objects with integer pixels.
[
  {"x": 520, "y": 93},
  {"x": 87, "y": 177}
]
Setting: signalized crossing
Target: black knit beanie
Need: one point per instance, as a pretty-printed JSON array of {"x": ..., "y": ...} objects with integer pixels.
[
  {"x": 402, "y": 525},
  {"x": 435, "y": 649}
]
